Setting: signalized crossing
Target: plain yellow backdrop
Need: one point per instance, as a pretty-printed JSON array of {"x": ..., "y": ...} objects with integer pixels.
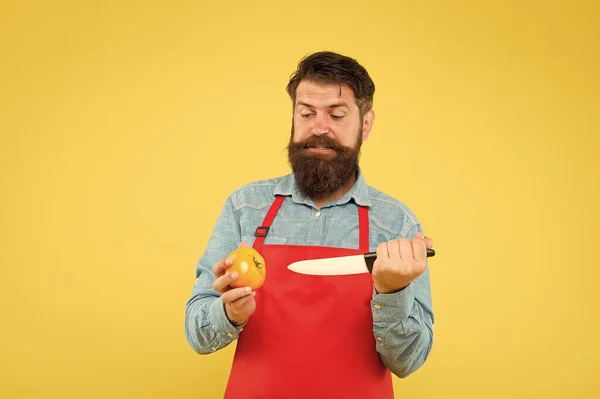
[{"x": 125, "y": 124}]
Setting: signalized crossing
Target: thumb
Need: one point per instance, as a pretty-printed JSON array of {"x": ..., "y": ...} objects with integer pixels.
[{"x": 428, "y": 241}]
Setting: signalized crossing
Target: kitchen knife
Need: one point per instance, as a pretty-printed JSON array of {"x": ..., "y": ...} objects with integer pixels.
[{"x": 341, "y": 265}]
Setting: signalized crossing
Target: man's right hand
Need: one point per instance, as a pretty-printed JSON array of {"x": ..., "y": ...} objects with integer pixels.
[{"x": 239, "y": 302}]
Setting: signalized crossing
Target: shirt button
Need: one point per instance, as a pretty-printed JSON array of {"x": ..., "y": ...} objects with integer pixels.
[
  {"x": 318, "y": 214},
  {"x": 230, "y": 335},
  {"x": 379, "y": 339},
  {"x": 378, "y": 306},
  {"x": 214, "y": 348}
]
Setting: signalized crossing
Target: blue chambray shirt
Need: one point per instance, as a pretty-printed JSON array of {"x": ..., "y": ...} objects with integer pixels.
[{"x": 402, "y": 321}]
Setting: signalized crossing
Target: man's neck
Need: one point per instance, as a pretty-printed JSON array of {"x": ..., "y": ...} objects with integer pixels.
[{"x": 337, "y": 194}]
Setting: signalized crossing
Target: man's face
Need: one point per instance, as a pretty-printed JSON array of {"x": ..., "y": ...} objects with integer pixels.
[{"x": 327, "y": 134}]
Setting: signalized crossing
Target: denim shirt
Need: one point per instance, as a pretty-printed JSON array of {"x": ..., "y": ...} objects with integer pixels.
[{"x": 402, "y": 321}]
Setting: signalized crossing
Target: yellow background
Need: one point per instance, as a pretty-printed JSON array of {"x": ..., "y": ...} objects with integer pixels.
[{"x": 125, "y": 124}]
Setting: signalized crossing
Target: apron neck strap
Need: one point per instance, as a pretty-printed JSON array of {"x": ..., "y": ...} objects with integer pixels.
[
  {"x": 363, "y": 228},
  {"x": 261, "y": 231}
]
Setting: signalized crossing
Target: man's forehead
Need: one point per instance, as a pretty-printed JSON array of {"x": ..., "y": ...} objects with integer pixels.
[{"x": 333, "y": 92}]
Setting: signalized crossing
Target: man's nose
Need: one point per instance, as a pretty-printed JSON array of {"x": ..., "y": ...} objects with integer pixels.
[{"x": 320, "y": 126}]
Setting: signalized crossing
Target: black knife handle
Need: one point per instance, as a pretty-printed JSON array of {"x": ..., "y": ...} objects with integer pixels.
[
  {"x": 371, "y": 256},
  {"x": 370, "y": 259}
]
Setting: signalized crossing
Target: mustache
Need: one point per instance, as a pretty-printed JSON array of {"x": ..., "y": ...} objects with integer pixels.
[{"x": 321, "y": 141}]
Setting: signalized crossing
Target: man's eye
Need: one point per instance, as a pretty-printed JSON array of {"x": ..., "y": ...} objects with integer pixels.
[
  {"x": 337, "y": 116},
  {"x": 305, "y": 115}
]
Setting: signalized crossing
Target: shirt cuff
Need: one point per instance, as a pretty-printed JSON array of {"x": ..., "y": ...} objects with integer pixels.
[
  {"x": 225, "y": 330},
  {"x": 392, "y": 307}
]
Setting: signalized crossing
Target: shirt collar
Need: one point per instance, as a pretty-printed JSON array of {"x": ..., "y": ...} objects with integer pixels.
[{"x": 359, "y": 192}]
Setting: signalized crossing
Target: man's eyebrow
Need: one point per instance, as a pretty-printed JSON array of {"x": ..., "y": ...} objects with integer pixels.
[
  {"x": 336, "y": 105},
  {"x": 305, "y": 104},
  {"x": 340, "y": 104}
]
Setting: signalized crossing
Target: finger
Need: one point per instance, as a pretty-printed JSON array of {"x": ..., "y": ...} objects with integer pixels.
[
  {"x": 419, "y": 251},
  {"x": 222, "y": 265},
  {"x": 222, "y": 283},
  {"x": 406, "y": 250},
  {"x": 394, "y": 249},
  {"x": 240, "y": 302},
  {"x": 382, "y": 251},
  {"x": 235, "y": 293},
  {"x": 243, "y": 245}
]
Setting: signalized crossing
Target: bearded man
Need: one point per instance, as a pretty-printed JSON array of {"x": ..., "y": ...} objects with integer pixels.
[{"x": 317, "y": 335}]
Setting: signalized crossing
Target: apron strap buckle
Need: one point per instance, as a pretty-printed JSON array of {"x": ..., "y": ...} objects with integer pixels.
[{"x": 261, "y": 231}]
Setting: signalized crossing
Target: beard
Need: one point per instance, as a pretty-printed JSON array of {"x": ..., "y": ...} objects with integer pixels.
[{"x": 320, "y": 175}]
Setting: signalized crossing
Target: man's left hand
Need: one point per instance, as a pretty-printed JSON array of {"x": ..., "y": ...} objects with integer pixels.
[{"x": 399, "y": 262}]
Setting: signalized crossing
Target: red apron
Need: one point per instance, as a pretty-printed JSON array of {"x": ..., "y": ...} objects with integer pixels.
[{"x": 310, "y": 336}]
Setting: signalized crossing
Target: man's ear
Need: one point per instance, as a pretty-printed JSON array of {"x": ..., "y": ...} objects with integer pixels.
[{"x": 367, "y": 124}]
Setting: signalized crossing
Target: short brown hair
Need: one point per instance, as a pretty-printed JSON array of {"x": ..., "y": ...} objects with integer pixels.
[{"x": 326, "y": 67}]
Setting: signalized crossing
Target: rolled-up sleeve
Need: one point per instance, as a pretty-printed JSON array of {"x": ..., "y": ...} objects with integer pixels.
[
  {"x": 403, "y": 326},
  {"x": 207, "y": 328}
]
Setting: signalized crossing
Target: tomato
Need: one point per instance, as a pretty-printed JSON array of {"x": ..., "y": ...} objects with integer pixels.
[{"x": 250, "y": 266}]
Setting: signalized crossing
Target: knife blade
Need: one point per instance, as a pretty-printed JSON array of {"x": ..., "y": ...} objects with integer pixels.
[{"x": 339, "y": 266}]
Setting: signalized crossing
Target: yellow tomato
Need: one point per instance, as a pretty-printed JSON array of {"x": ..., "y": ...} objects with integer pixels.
[{"x": 250, "y": 266}]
